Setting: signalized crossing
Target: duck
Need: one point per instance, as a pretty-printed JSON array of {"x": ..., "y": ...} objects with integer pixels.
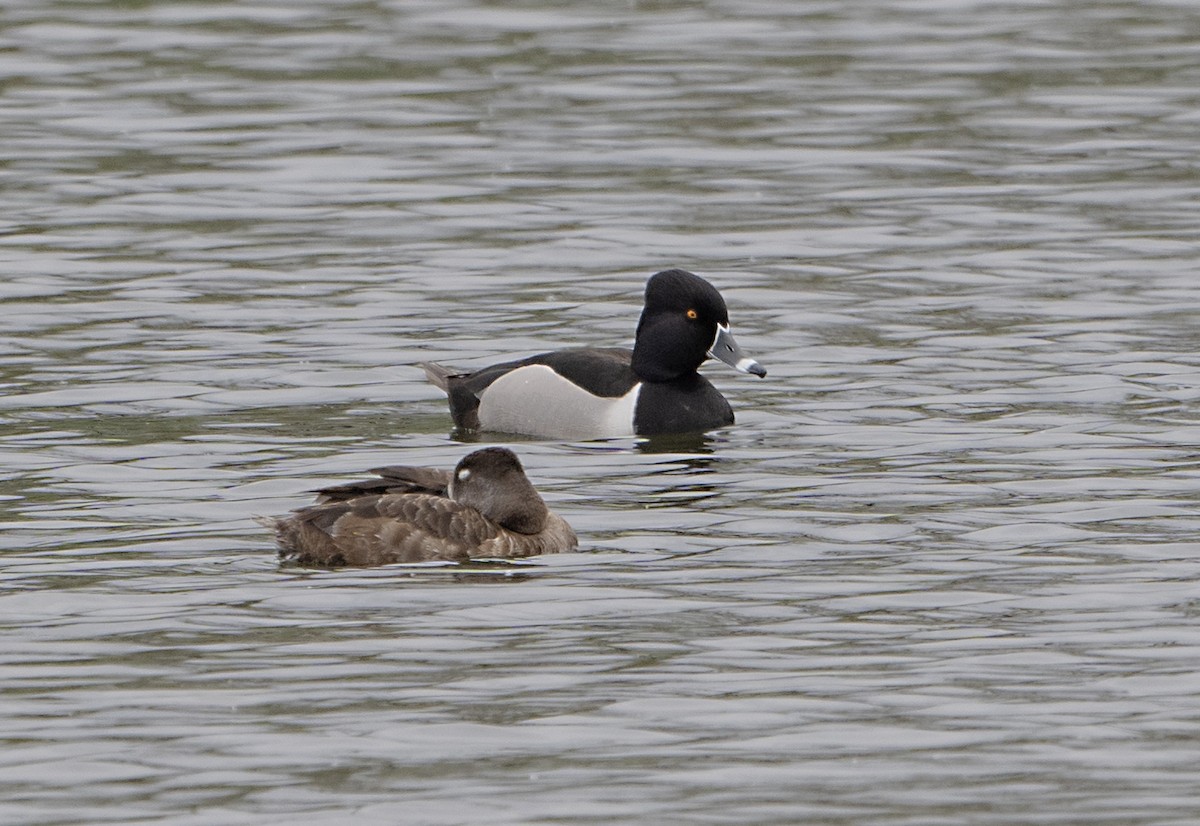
[
  {"x": 485, "y": 508},
  {"x": 611, "y": 392}
]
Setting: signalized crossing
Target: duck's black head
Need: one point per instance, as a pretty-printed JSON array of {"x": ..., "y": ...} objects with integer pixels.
[
  {"x": 684, "y": 321},
  {"x": 493, "y": 482}
]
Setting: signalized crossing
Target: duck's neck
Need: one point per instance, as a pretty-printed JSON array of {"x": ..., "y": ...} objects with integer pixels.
[
  {"x": 658, "y": 357},
  {"x": 515, "y": 504}
]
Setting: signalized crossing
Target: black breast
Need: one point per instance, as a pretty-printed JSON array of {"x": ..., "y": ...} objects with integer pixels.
[{"x": 687, "y": 405}]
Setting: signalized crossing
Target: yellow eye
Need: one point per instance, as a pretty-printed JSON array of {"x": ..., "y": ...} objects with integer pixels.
[{"x": 692, "y": 314}]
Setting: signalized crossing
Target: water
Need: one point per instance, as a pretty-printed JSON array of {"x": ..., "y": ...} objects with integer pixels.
[{"x": 942, "y": 571}]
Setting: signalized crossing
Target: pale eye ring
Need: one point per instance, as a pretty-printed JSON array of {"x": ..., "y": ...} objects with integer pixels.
[{"x": 464, "y": 475}]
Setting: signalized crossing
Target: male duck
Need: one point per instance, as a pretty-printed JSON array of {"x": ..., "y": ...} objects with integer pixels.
[
  {"x": 592, "y": 393},
  {"x": 486, "y": 508}
]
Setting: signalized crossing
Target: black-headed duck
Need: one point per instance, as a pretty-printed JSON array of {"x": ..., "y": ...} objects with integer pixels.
[{"x": 594, "y": 393}]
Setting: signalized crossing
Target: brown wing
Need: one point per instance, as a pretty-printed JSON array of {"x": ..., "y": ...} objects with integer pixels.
[
  {"x": 431, "y": 479},
  {"x": 377, "y": 530},
  {"x": 392, "y": 479}
]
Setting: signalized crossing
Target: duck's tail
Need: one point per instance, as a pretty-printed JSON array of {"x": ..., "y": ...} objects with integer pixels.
[
  {"x": 290, "y": 533},
  {"x": 437, "y": 374},
  {"x": 275, "y": 526}
]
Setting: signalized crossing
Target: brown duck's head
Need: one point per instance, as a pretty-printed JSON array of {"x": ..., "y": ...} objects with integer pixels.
[{"x": 493, "y": 482}]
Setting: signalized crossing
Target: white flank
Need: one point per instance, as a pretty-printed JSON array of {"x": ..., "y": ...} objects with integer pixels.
[{"x": 536, "y": 401}]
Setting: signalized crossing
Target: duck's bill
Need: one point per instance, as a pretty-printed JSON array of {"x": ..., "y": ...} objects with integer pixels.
[{"x": 727, "y": 350}]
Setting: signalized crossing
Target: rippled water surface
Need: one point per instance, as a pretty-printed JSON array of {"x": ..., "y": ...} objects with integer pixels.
[{"x": 942, "y": 571}]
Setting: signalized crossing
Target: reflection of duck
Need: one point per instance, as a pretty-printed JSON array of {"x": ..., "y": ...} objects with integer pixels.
[
  {"x": 486, "y": 508},
  {"x": 587, "y": 393}
]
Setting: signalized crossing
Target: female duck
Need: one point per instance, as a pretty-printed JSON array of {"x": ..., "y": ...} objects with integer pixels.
[
  {"x": 486, "y": 507},
  {"x": 591, "y": 393}
]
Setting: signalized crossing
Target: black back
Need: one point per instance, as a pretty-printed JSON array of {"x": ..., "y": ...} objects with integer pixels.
[{"x": 602, "y": 371}]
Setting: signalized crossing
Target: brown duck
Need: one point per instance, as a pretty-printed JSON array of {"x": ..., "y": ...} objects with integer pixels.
[{"x": 486, "y": 507}]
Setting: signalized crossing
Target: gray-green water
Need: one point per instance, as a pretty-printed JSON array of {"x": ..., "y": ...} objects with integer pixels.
[{"x": 943, "y": 571}]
